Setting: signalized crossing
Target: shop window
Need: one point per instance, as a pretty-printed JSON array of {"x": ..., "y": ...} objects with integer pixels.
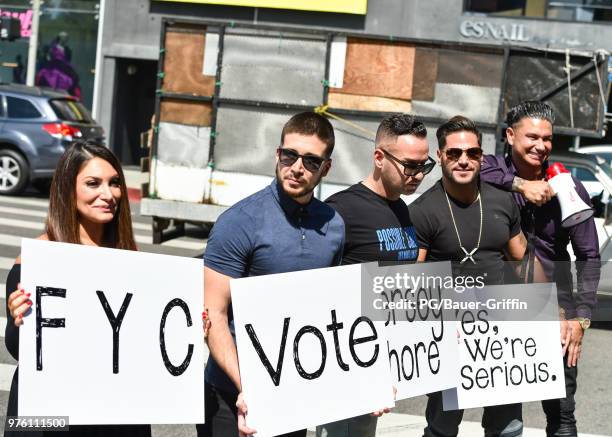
[
  {"x": 512, "y": 8},
  {"x": 567, "y": 10},
  {"x": 580, "y": 10},
  {"x": 66, "y": 46}
]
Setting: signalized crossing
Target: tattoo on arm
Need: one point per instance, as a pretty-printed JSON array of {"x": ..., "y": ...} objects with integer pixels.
[{"x": 517, "y": 183}]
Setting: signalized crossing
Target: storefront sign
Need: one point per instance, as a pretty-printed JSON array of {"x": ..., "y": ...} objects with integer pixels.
[
  {"x": 341, "y": 6},
  {"x": 491, "y": 30},
  {"x": 25, "y": 19}
]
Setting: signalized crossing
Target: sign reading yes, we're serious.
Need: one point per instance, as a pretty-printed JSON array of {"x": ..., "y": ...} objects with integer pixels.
[
  {"x": 503, "y": 360},
  {"x": 114, "y": 336}
]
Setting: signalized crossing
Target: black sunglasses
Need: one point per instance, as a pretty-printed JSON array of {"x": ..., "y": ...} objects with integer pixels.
[
  {"x": 411, "y": 168},
  {"x": 312, "y": 163},
  {"x": 473, "y": 153}
]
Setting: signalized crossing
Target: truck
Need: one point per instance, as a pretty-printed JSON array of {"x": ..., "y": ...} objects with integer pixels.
[{"x": 225, "y": 89}]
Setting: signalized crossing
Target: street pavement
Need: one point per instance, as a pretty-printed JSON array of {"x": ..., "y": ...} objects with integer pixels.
[{"x": 24, "y": 217}]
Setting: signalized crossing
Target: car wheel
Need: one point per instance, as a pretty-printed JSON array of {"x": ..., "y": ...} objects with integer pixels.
[{"x": 14, "y": 172}]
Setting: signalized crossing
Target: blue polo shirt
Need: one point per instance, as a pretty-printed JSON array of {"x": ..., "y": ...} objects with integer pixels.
[{"x": 269, "y": 232}]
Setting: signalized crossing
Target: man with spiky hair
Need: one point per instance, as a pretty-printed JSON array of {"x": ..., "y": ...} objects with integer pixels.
[
  {"x": 522, "y": 171},
  {"x": 377, "y": 222}
]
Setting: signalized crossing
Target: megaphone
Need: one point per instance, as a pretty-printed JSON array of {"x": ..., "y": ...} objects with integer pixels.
[{"x": 573, "y": 209}]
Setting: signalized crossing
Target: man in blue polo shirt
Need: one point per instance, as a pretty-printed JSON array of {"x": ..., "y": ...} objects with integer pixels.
[{"x": 281, "y": 228}]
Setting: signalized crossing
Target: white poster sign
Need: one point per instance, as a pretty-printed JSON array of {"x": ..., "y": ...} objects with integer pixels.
[
  {"x": 512, "y": 360},
  {"x": 307, "y": 355},
  {"x": 114, "y": 336},
  {"x": 422, "y": 342}
]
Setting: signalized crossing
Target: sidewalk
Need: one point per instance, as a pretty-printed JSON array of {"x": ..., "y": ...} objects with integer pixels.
[{"x": 406, "y": 425}]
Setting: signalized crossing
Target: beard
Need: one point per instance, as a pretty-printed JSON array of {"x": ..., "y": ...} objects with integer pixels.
[
  {"x": 302, "y": 190},
  {"x": 450, "y": 176}
]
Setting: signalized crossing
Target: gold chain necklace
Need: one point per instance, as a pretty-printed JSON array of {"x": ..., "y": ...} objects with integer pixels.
[{"x": 468, "y": 255}]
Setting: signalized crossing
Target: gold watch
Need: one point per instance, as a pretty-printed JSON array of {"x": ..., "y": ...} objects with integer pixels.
[{"x": 584, "y": 322}]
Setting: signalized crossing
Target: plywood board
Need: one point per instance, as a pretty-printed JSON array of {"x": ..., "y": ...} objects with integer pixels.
[
  {"x": 183, "y": 63},
  {"x": 185, "y": 112},
  {"x": 368, "y": 103},
  {"x": 378, "y": 68},
  {"x": 425, "y": 74}
]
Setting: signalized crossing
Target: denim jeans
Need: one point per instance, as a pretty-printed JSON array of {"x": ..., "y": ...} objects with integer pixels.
[
  {"x": 560, "y": 419},
  {"x": 221, "y": 420},
  {"x": 497, "y": 421}
]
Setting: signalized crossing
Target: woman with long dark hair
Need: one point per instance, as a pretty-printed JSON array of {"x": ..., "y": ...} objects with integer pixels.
[{"x": 88, "y": 204}]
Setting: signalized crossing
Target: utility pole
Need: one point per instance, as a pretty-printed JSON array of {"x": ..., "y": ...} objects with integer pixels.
[
  {"x": 95, "y": 107},
  {"x": 33, "y": 47}
]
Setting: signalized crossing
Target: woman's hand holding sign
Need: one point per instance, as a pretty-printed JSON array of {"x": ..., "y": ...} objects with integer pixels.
[{"x": 18, "y": 304}]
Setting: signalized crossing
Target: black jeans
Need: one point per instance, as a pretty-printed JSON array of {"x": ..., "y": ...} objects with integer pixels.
[
  {"x": 497, "y": 421},
  {"x": 221, "y": 413},
  {"x": 560, "y": 419}
]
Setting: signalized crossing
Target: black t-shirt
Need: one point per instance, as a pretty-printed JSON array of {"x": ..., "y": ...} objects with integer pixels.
[
  {"x": 436, "y": 233},
  {"x": 377, "y": 229}
]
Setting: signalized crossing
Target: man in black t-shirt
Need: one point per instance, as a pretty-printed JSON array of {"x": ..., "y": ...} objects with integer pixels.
[
  {"x": 376, "y": 220},
  {"x": 474, "y": 225}
]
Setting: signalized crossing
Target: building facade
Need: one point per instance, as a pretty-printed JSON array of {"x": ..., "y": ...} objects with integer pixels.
[{"x": 126, "y": 68}]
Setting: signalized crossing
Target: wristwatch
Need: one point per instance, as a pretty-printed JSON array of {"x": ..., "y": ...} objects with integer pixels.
[
  {"x": 584, "y": 322},
  {"x": 562, "y": 313}
]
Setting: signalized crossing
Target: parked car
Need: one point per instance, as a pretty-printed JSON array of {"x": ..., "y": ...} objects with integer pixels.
[
  {"x": 596, "y": 175},
  {"x": 36, "y": 125},
  {"x": 604, "y": 151}
]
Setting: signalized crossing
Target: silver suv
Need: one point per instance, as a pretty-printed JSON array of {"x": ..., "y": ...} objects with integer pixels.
[{"x": 36, "y": 125}]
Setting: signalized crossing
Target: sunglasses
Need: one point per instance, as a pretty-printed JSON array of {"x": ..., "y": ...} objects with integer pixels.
[
  {"x": 473, "y": 153},
  {"x": 411, "y": 168},
  {"x": 288, "y": 157}
]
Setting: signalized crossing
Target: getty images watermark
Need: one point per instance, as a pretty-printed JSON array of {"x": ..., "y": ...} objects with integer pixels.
[
  {"x": 405, "y": 281},
  {"x": 431, "y": 292},
  {"x": 449, "y": 304}
]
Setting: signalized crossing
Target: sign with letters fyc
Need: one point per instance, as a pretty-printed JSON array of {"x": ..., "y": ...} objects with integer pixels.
[
  {"x": 307, "y": 355},
  {"x": 509, "y": 347},
  {"x": 113, "y": 337}
]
